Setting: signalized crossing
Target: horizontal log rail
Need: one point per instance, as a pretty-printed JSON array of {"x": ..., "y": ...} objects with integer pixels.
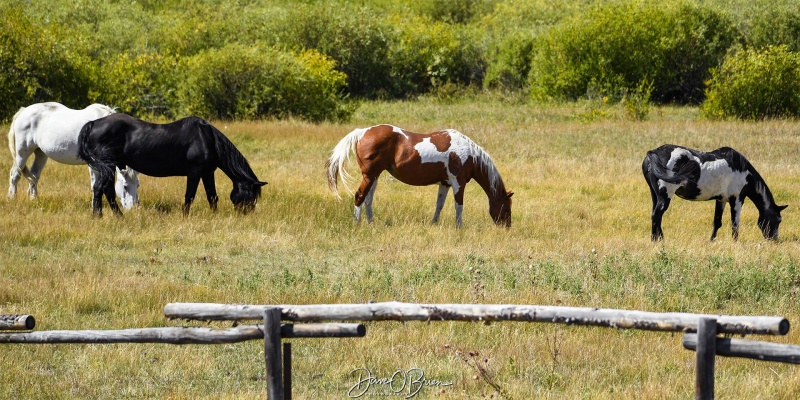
[
  {"x": 396, "y": 311},
  {"x": 16, "y": 322},
  {"x": 184, "y": 335},
  {"x": 757, "y": 350}
]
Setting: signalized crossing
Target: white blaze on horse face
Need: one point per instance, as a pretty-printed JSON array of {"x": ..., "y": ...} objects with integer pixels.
[{"x": 459, "y": 145}]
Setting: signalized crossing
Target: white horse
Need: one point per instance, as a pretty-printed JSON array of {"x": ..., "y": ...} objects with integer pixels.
[{"x": 51, "y": 130}]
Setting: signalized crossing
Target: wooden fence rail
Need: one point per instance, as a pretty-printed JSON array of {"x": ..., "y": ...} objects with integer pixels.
[
  {"x": 184, "y": 335},
  {"x": 757, "y": 350},
  {"x": 704, "y": 341},
  {"x": 17, "y": 322},
  {"x": 396, "y": 311}
]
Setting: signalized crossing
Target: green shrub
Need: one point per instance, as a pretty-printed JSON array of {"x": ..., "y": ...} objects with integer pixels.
[
  {"x": 356, "y": 38},
  {"x": 36, "y": 67},
  {"x": 775, "y": 26},
  {"x": 142, "y": 85},
  {"x": 456, "y": 11},
  {"x": 428, "y": 54},
  {"x": 511, "y": 65},
  {"x": 615, "y": 47},
  {"x": 755, "y": 84},
  {"x": 239, "y": 81}
]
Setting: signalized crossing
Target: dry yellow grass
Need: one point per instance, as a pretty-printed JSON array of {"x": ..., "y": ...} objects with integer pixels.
[{"x": 580, "y": 237}]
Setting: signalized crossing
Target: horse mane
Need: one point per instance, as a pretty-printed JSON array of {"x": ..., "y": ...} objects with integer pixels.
[
  {"x": 110, "y": 110},
  {"x": 483, "y": 159},
  {"x": 231, "y": 160},
  {"x": 760, "y": 185}
]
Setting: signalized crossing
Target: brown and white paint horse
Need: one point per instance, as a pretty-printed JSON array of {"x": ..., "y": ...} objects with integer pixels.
[{"x": 447, "y": 158}]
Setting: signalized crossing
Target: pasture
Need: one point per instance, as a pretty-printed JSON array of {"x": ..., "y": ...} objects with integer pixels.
[{"x": 580, "y": 236}]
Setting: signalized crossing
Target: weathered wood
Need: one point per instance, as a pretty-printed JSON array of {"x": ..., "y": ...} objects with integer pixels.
[
  {"x": 620, "y": 319},
  {"x": 183, "y": 335},
  {"x": 17, "y": 322},
  {"x": 706, "y": 352},
  {"x": 764, "y": 351},
  {"x": 272, "y": 352},
  {"x": 287, "y": 371}
]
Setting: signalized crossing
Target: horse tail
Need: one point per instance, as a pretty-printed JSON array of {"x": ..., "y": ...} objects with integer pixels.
[
  {"x": 87, "y": 154},
  {"x": 12, "y": 135},
  {"x": 657, "y": 168},
  {"x": 340, "y": 154}
]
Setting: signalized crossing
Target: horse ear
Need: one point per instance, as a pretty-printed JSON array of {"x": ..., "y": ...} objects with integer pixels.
[
  {"x": 509, "y": 193},
  {"x": 781, "y": 208},
  {"x": 261, "y": 183}
]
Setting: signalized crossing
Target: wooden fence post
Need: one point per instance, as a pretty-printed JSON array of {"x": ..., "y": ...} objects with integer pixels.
[
  {"x": 706, "y": 352},
  {"x": 272, "y": 352},
  {"x": 287, "y": 371}
]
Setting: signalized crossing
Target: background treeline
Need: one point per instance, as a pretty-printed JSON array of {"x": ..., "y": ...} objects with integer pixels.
[{"x": 316, "y": 59}]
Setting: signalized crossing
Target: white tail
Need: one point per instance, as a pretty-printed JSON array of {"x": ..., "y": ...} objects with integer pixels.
[
  {"x": 12, "y": 144},
  {"x": 339, "y": 155}
]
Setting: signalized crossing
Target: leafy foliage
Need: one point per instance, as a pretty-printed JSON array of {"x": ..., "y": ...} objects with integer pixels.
[
  {"x": 755, "y": 84},
  {"x": 616, "y": 47},
  {"x": 36, "y": 67},
  {"x": 239, "y": 81}
]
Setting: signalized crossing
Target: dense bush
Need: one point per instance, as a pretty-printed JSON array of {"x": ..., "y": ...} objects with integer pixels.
[
  {"x": 36, "y": 67},
  {"x": 142, "y": 85},
  {"x": 776, "y": 26},
  {"x": 512, "y": 63},
  {"x": 356, "y": 38},
  {"x": 755, "y": 84},
  {"x": 616, "y": 47},
  {"x": 240, "y": 81},
  {"x": 427, "y": 54}
]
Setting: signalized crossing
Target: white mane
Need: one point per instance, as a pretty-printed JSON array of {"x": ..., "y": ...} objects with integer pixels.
[{"x": 482, "y": 158}]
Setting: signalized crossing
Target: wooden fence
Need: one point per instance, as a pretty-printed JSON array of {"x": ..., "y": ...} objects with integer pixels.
[{"x": 700, "y": 330}]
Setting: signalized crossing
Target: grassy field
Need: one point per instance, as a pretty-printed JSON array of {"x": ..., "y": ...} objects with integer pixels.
[{"x": 580, "y": 237}]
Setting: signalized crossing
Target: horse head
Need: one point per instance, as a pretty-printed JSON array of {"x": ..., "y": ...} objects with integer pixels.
[
  {"x": 127, "y": 188},
  {"x": 769, "y": 220},
  {"x": 245, "y": 195},
  {"x": 500, "y": 209}
]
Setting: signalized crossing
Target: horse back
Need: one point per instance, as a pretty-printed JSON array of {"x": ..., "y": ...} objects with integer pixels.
[{"x": 175, "y": 149}]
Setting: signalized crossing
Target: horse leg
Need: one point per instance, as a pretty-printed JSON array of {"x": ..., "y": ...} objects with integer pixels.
[
  {"x": 718, "y": 210},
  {"x": 736, "y": 213},
  {"x": 661, "y": 205},
  {"x": 39, "y": 160},
  {"x": 458, "y": 197},
  {"x": 192, "y": 180},
  {"x": 361, "y": 195},
  {"x": 111, "y": 196},
  {"x": 100, "y": 183},
  {"x": 368, "y": 200},
  {"x": 440, "y": 198},
  {"x": 18, "y": 169},
  {"x": 211, "y": 190}
]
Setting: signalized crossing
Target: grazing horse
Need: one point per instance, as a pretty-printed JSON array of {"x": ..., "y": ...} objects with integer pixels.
[
  {"x": 723, "y": 175},
  {"x": 51, "y": 130},
  {"x": 190, "y": 147},
  {"x": 447, "y": 158}
]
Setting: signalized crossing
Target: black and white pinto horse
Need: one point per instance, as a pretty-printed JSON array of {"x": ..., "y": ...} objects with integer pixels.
[
  {"x": 723, "y": 175},
  {"x": 190, "y": 147}
]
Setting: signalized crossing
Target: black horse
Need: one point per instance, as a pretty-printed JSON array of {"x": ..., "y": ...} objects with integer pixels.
[
  {"x": 190, "y": 147},
  {"x": 723, "y": 175}
]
